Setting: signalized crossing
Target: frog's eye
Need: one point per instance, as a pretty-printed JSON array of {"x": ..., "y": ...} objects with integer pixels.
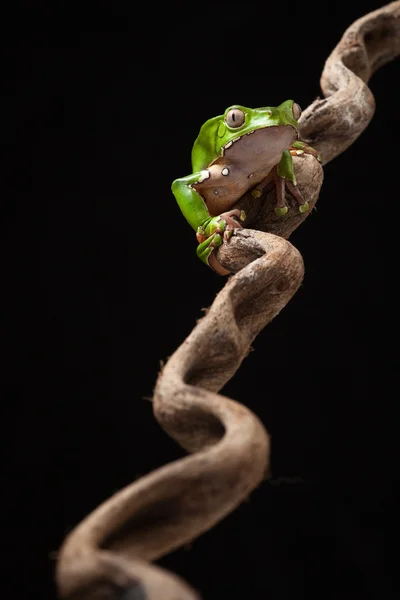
[
  {"x": 296, "y": 111},
  {"x": 235, "y": 117}
]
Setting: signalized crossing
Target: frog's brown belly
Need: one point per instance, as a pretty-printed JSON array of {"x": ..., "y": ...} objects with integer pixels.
[
  {"x": 245, "y": 164},
  {"x": 221, "y": 192}
]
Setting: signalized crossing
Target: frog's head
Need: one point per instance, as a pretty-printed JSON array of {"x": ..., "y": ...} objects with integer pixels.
[{"x": 218, "y": 134}]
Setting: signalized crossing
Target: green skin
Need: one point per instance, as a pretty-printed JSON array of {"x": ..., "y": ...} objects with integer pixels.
[{"x": 227, "y": 162}]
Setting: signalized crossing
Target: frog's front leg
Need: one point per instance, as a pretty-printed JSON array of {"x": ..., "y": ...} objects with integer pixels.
[{"x": 210, "y": 230}]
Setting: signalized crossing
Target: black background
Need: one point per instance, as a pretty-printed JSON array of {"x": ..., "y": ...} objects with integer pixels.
[{"x": 101, "y": 282}]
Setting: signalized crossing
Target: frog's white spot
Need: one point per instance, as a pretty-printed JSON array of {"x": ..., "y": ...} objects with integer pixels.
[
  {"x": 250, "y": 132},
  {"x": 228, "y": 145},
  {"x": 225, "y": 171},
  {"x": 204, "y": 175},
  {"x": 250, "y": 176},
  {"x": 235, "y": 140},
  {"x": 216, "y": 192}
]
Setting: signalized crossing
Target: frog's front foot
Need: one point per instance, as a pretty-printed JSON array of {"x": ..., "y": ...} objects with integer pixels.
[
  {"x": 223, "y": 224},
  {"x": 231, "y": 220},
  {"x": 211, "y": 236}
]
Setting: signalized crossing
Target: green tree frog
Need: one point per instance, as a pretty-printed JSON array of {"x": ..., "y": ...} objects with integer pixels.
[{"x": 244, "y": 149}]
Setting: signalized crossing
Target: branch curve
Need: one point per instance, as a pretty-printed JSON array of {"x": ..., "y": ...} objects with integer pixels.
[
  {"x": 333, "y": 123},
  {"x": 107, "y": 555}
]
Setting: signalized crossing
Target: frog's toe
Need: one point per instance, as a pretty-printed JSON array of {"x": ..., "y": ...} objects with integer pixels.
[
  {"x": 200, "y": 235},
  {"x": 216, "y": 241},
  {"x": 231, "y": 219},
  {"x": 281, "y": 211},
  {"x": 221, "y": 226},
  {"x": 303, "y": 208},
  {"x": 204, "y": 250}
]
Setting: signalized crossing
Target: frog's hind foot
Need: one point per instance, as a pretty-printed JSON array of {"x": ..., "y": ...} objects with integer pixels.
[
  {"x": 281, "y": 208},
  {"x": 303, "y": 206}
]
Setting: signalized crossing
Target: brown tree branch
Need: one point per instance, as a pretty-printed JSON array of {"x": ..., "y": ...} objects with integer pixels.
[
  {"x": 333, "y": 123},
  {"x": 107, "y": 555}
]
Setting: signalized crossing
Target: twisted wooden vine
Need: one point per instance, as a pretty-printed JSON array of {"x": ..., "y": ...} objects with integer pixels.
[{"x": 109, "y": 555}]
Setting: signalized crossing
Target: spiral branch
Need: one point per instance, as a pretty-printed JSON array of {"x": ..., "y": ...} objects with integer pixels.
[{"x": 109, "y": 554}]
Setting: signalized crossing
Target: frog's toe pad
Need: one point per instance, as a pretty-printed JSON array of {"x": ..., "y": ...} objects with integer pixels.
[
  {"x": 281, "y": 211},
  {"x": 221, "y": 225},
  {"x": 217, "y": 241},
  {"x": 303, "y": 208}
]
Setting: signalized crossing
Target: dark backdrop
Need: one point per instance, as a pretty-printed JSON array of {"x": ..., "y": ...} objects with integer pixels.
[{"x": 101, "y": 282}]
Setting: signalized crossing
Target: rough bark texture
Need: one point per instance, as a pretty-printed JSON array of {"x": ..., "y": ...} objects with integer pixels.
[
  {"x": 331, "y": 124},
  {"x": 108, "y": 555}
]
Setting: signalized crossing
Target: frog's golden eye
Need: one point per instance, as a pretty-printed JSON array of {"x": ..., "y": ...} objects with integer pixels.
[
  {"x": 296, "y": 111},
  {"x": 235, "y": 117}
]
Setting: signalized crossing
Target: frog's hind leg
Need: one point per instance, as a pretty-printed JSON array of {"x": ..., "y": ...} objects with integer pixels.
[{"x": 303, "y": 206}]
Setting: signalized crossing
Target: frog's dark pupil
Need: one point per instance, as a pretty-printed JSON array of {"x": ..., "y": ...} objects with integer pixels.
[{"x": 233, "y": 116}]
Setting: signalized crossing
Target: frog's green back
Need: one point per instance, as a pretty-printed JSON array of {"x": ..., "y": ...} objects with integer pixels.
[{"x": 204, "y": 149}]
